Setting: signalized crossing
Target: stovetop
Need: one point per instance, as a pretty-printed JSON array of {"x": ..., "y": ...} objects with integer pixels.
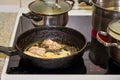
[
  {"x": 85, "y": 66},
  {"x": 24, "y": 66},
  {"x": 20, "y": 69}
]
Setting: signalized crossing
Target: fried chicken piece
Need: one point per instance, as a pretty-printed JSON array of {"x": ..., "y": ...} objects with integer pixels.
[
  {"x": 52, "y": 45},
  {"x": 37, "y": 51}
]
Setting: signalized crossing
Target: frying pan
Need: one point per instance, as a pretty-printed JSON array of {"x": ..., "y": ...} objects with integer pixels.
[{"x": 62, "y": 34}]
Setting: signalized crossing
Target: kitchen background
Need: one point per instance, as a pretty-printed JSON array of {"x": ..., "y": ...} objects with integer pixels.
[{"x": 13, "y": 5}]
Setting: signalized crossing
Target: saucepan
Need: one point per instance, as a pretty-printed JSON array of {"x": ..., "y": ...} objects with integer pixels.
[
  {"x": 104, "y": 11},
  {"x": 49, "y": 12},
  {"x": 113, "y": 32},
  {"x": 64, "y": 35}
]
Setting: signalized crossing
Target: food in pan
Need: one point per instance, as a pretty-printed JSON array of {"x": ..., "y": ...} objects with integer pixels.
[{"x": 49, "y": 49}]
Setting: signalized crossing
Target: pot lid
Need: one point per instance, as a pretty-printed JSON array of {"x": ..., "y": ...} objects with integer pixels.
[
  {"x": 46, "y": 7},
  {"x": 114, "y": 29}
]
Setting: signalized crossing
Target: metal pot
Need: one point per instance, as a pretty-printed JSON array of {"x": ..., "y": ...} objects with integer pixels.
[
  {"x": 104, "y": 11},
  {"x": 114, "y": 39},
  {"x": 49, "y": 12},
  {"x": 61, "y": 34}
]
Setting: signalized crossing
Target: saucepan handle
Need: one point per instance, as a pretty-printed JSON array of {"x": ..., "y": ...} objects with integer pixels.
[
  {"x": 107, "y": 44},
  {"x": 30, "y": 15},
  {"x": 8, "y": 51},
  {"x": 70, "y": 2},
  {"x": 92, "y": 1}
]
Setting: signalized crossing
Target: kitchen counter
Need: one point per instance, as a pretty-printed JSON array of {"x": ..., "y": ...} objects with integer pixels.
[{"x": 7, "y": 21}]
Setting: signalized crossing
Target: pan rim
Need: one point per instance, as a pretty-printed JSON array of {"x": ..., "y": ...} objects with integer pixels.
[{"x": 45, "y": 27}]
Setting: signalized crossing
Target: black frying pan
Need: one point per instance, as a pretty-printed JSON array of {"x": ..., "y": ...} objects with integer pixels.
[{"x": 63, "y": 34}]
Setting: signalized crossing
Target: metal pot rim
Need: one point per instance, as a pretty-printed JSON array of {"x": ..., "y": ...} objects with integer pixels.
[
  {"x": 75, "y": 53},
  {"x": 98, "y": 6},
  {"x": 113, "y": 32},
  {"x": 33, "y": 11}
]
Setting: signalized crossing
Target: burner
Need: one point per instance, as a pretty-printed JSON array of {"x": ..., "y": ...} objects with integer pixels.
[
  {"x": 26, "y": 67},
  {"x": 113, "y": 67}
]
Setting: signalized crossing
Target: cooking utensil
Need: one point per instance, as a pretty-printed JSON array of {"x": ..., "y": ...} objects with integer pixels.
[
  {"x": 62, "y": 34},
  {"x": 104, "y": 11},
  {"x": 114, "y": 32},
  {"x": 47, "y": 13}
]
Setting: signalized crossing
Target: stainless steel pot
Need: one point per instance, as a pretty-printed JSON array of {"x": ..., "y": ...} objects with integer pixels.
[
  {"x": 47, "y": 20},
  {"x": 114, "y": 39},
  {"x": 104, "y": 11},
  {"x": 49, "y": 13}
]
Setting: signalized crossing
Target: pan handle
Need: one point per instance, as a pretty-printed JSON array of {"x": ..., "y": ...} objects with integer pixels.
[
  {"x": 8, "y": 51},
  {"x": 107, "y": 44}
]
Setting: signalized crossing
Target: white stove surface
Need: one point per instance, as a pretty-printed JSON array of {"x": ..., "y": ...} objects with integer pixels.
[{"x": 5, "y": 76}]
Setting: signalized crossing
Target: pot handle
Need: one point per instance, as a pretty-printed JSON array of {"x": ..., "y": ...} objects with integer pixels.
[
  {"x": 107, "y": 44},
  {"x": 70, "y": 2},
  {"x": 30, "y": 15},
  {"x": 92, "y": 1},
  {"x": 8, "y": 51}
]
